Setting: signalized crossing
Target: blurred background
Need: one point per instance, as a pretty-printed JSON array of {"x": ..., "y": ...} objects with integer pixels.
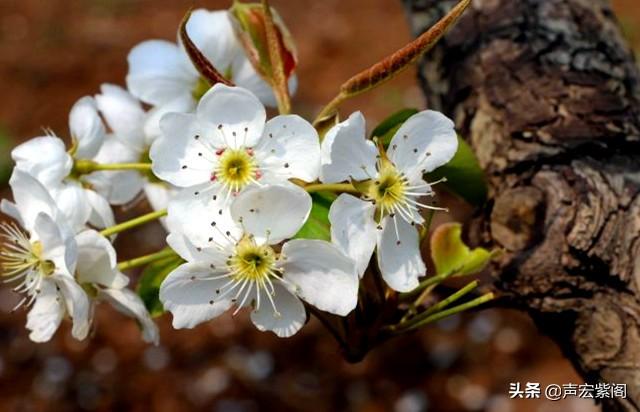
[{"x": 53, "y": 52}]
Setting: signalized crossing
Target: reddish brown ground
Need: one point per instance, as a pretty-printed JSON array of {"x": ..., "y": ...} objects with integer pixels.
[{"x": 51, "y": 53}]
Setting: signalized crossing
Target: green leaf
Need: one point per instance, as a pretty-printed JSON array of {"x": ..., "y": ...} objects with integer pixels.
[
  {"x": 149, "y": 284},
  {"x": 464, "y": 175},
  {"x": 452, "y": 257},
  {"x": 318, "y": 226},
  {"x": 389, "y": 126}
]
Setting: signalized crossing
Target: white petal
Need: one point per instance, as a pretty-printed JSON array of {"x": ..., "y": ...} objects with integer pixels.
[
  {"x": 183, "y": 104},
  {"x": 47, "y": 313},
  {"x": 72, "y": 202},
  {"x": 191, "y": 297},
  {"x": 185, "y": 153},
  {"x": 322, "y": 275},
  {"x": 130, "y": 304},
  {"x": 346, "y": 153},
  {"x": 159, "y": 72},
  {"x": 10, "y": 209},
  {"x": 291, "y": 314},
  {"x": 272, "y": 213},
  {"x": 86, "y": 128},
  {"x": 31, "y": 198},
  {"x": 244, "y": 75},
  {"x": 118, "y": 187},
  {"x": 204, "y": 220},
  {"x": 399, "y": 256},
  {"x": 123, "y": 114},
  {"x": 158, "y": 194},
  {"x": 77, "y": 304},
  {"x": 55, "y": 244},
  {"x": 427, "y": 140},
  {"x": 213, "y": 35},
  {"x": 353, "y": 229},
  {"x": 45, "y": 158},
  {"x": 237, "y": 110},
  {"x": 101, "y": 213},
  {"x": 97, "y": 261},
  {"x": 290, "y": 148},
  {"x": 189, "y": 252}
]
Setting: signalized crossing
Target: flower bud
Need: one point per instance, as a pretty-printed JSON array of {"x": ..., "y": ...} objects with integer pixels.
[{"x": 250, "y": 26}]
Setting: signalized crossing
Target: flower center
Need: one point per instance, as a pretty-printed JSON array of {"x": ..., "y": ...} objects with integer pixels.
[
  {"x": 253, "y": 262},
  {"x": 236, "y": 169},
  {"x": 389, "y": 188},
  {"x": 22, "y": 260}
]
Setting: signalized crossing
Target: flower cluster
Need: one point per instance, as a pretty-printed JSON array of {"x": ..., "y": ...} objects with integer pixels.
[{"x": 232, "y": 187}]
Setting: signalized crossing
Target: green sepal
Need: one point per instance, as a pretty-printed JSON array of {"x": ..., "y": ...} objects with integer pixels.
[{"x": 149, "y": 284}]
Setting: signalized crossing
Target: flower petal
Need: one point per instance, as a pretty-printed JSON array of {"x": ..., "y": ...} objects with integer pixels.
[
  {"x": 290, "y": 317},
  {"x": 237, "y": 110},
  {"x": 272, "y": 213},
  {"x": 31, "y": 198},
  {"x": 45, "y": 158},
  {"x": 353, "y": 229},
  {"x": 189, "y": 252},
  {"x": 321, "y": 274},
  {"x": 47, "y": 313},
  {"x": 71, "y": 200},
  {"x": 77, "y": 304},
  {"x": 118, "y": 187},
  {"x": 426, "y": 141},
  {"x": 205, "y": 221},
  {"x": 130, "y": 304},
  {"x": 158, "y": 194},
  {"x": 185, "y": 153},
  {"x": 101, "y": 213},
  {"x": 152, "y": 131},
  {"x": 55, "y": 243},
  {"x": 189, "y": 294},
  {"x": 213, "y": 35},
  {"x": 160, "y": 72},
  {"x": 86, "y": 127},
  {"x": 97, "y": 261},
  {"x": 10, "y": 209},
  {"x": 290, "y": 148},
  {"x": 399, "y": 256},
  {"x": 346, "y": 153},
  {"x": 124, "y": 115}
]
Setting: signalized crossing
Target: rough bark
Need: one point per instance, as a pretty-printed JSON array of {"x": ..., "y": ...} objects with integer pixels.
[{"x": 547, "y": 93}]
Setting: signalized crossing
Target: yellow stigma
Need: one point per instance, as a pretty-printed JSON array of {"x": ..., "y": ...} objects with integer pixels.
[
  {"x": 253, "y": 262},
  {"x": 236, "y": 168},
  {"x": 388, "y": 189}
]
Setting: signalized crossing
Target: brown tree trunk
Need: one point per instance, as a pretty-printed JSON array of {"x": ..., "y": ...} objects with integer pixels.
[{"x": 547, "y": 93}]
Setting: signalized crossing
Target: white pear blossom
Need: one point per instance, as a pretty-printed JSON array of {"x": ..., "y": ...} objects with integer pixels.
[
  {"x": 225, "y": 147},
  {"x": 98, "y": 273},
  {"x": 389, "y": 211},
  {"x": 161, "y": 71},
  {"x": 233, "y": 259},
  {"x": 47, "y": 159},
  {"x": 133, "y": 130},
  {"x": 40, "y": 256}
]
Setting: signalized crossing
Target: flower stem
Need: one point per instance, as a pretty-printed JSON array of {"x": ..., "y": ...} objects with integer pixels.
[
  {"x": 330, "y": 187},
  {"x": 86, "y": 166},
  {"x": 443, "y": 314},
  {"x": 129, "y": 224},
  {"x": 143, "y": 260},
  {"x": 330, "y": 108},
  {"x": 407, "y": 324}
]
